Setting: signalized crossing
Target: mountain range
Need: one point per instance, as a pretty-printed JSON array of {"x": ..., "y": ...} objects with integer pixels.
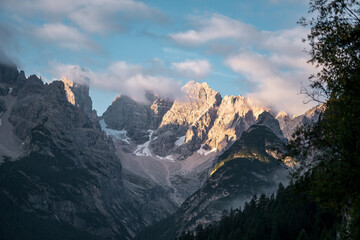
[{"x": 157, "y": 167}]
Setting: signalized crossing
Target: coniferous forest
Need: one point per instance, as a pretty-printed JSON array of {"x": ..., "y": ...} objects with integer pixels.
[
  {"x": 163, "y": 162},
  {"x": 289, "y": 215},
  {"x": 324, "y": 200}
]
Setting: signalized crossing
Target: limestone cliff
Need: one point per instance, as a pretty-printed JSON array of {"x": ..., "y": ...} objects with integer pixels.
[
  {"x": 78, "y": 95},
  {"x": 136, "y": 118},
  {"x": 67, "y": 178},
  {"x": 234, "y": 116}
]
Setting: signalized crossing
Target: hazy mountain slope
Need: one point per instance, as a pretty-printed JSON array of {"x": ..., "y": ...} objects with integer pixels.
[
  {"x": 176, "y": 153},
  {"x": 68, "y": 175},
  {"x": 247, "y": 168},
  {"x": 136, "y": 118},
  {"x": 288, "y": 126},
  {"x": 202, "y": 120}
]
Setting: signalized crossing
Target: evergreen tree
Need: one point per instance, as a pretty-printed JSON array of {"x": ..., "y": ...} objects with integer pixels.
[
  {"x": 275, "y": 220},
  {"x": 333, "y": 144},
  {"x": 303, "y": 235}
]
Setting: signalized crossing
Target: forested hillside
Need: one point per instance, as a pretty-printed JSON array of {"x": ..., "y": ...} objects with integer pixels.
[
  {"x": 324, "y": 202},
  {"x": 289, "y": 215}
]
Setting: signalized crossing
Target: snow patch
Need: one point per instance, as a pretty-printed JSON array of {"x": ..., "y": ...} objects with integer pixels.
[
  {"x": 169, "y": 157},
  {"x": 10, "y": 89},
  {"x": 120, "y": 135},
  {"x": 180, "y": 141},
  {"x": 143, "y": 149},
  {"x": 205, "y": 152}
]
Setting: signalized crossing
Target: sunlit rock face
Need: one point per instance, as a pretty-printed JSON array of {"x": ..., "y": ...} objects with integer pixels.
[
  {"x": 234, "y": 116},
  {"x": 205, "y": 121},
  {"x": 200, "y": 99},
  {"x": 248, "y": 167},
  {"x": 190, "y": 119},
  {"x": 78, "y": 95},
  {"x": 202, "y": 121},
  {"x": 66, "y": 177}
]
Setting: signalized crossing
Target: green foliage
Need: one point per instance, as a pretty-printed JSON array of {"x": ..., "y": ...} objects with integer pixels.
[
  {"x": 333, "y": 144},
  {"x": 302, "y": 235},
  {"x": 335, "y": 45},
  {"x": 291, "y": 215}
]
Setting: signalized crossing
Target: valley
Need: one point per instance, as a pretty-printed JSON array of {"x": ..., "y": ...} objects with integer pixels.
[{"x": 186, "y": 159}]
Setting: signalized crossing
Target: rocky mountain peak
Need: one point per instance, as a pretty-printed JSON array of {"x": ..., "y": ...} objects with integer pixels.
[
  {"x": 8, "y": 73},
  {"x": 203, "y": 121},
  {"x": 200, "y": 98},
  {"x": 136, "y": 118},
  {"x": 200, "y": 92},
  {"x": 282, "y": 115},
  {"x": 78, "y": 95},
  {"x": 234, "y": 116},
  {"x": 315, "y": 112},
  {"x": 268, "y": 120},
  {"x": 288, "y": 125}
]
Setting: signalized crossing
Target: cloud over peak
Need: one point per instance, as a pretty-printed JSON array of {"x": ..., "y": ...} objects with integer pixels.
[
  {"x": 276, "y": 81},
  {"x": 273, "y": 62},
  {"x": 123, "y": 78},
  {"x": 196, "y": 69}
]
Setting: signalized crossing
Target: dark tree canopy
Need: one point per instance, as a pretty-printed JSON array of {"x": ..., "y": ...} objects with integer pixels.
[
  {"x": 335, "y": 46},
  {"x": 330, "y": 149},
  {"x": 288, "y": 216}
]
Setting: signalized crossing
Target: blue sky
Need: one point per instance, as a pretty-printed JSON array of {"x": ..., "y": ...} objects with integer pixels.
[{"x": 251, "y": 48}]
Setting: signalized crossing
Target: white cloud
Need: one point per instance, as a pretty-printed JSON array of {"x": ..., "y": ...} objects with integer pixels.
[
  {"x": 72, "y": 24},
  {"x": 273, "y": 62},
  {"x": 7, "y": 44},
  {"x": 94, "y": 16},
  {"x": 126, "y": 79},
  {"x": 196, "y": 69},
  {"x": 106, "y": 16},
  {"x": 277, "y": 81},
  {"x": 213, "y": 28},
  {"x": 73, "y": 72},
  {"x": 65, "y": 36},
  {"x": 218, "y": 27}
]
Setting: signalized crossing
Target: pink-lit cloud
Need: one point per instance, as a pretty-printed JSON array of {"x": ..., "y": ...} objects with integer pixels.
[
  {"x": 274, "y": 63},
  {"x": 121, "y": 77},
  {"x": 195, "y": 69}
]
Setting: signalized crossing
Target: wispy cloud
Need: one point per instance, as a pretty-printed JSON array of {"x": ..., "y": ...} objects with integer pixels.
[
  {"x": 73, "y": 23},
  {"x": 124, "y": 78},
  {"x": 277, "y": 81},
  {"x": 65, "y": 36},
  {"x": 210, "y": 29},
  {"x": 113, "y": 15},
  {"x": 7, "y": 42},
  {"x": 273, "y": 62},
  {"x": 214, "y": 28},
  {"x": 80, "y": 10},
  {"x": 195, "y": 69}
]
